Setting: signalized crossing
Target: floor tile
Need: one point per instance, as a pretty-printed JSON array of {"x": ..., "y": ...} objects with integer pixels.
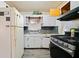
[{"x": 36, "y": 53}]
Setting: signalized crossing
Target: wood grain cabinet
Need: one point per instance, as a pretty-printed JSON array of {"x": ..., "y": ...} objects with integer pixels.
[{"x": 65, "y": 8}]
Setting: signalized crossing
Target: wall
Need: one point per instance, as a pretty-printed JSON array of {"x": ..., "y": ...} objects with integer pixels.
[
  {"x": 60, "y": 27},
  {"x": 66, "y": 25},
  {"x": 30, "y": 13},
  {"x": 74, "y": 4},
  {"x": 3, "y": 4}
]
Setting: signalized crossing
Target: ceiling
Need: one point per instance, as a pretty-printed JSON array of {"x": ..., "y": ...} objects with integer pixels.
[{"x": 27, "y": 6}]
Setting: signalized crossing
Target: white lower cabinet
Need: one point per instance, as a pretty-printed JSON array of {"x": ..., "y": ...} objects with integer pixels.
[
  {"x": 45, "y": 42},
  {"x": 36, "y": 42},
  {"x": 26, "y": 42},
  {"x": 32, "y": 42}
]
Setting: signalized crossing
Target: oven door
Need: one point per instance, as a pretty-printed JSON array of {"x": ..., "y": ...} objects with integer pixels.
[{"x": 56, "y": 52}]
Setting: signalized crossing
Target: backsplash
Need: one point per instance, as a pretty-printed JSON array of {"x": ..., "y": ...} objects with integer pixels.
[
  {"x": 67, "y": 25},
  {"x": 49, "y": 30},
  {"x": 25, "y": 29},
  {"x": 44, "y": 30}
]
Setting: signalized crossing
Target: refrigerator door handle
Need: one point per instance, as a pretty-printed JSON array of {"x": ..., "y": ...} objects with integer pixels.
[
  {"x": 13, "y": 26},
  {"x": 7, "y": 25}
]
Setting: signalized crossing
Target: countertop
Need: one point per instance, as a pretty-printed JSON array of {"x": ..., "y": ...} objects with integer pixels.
[{"x": 46, "y": 35}]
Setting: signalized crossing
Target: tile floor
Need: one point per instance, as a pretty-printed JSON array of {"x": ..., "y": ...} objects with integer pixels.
[{"x": 36, "y": 53}]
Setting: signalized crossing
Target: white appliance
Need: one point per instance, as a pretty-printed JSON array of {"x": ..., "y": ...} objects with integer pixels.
[{"x": 11, "y": 33}]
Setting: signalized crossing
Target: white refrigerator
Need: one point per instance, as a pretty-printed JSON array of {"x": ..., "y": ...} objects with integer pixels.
[{"x": 11, "y": 33}]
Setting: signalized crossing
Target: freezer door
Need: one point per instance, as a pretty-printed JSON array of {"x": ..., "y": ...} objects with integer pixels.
[
  {"x": 18, "y": 19},
  {"x": 5, "y": 42}
]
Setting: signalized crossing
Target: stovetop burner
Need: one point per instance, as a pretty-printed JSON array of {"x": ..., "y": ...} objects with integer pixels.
[
  {"x": 71, "y": 40},
  {"x": 66, "y": 43},
  {"x": 68, "y": 39}
]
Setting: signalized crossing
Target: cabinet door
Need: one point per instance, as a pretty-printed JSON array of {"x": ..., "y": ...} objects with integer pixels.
[
  {"x": 25, "y": 21},
  {"x": 49, "y": 21},
  {"x": 26, "y": 42},
  {"x": 32, "y": 42},
  {"x": 45, "y": 42},
  {"x": 35, "y": 42}
]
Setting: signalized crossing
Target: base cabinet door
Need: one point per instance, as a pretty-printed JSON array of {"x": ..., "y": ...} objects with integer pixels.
[
  {"x": 45, "y": 42},
  {"x": 26, "y": 42},
  {"x": 32, "y": 42},
  {"x": 37, "y": 42}
]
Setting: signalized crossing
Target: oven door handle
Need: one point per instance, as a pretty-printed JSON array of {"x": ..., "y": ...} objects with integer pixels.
[{"x": 67, "y": 50}]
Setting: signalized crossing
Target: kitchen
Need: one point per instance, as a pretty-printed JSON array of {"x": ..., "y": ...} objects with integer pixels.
[{"x": 33, "y": 28}]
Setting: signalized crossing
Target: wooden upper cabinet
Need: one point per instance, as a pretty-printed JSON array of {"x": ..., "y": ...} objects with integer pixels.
[
  {"x": 60, "y": 11},
  {"x": 65, "y": 8}
]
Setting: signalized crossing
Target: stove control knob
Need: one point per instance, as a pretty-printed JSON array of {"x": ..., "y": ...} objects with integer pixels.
[
  {"x": 66, "y": 45},
  {"x": 72, "y": 47},
  {"x": 55, "y": 40},
  {"x": 60, "y": 42}
]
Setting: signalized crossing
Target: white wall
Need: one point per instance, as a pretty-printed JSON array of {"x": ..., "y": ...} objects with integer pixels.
[
  {"x": 30, "y": 13},
  {"x": 74, "y": 4},
  {"x": 3, "y": 4},
  {"x": 66, "y": 25},
  {"x": 74, "y": 23}
]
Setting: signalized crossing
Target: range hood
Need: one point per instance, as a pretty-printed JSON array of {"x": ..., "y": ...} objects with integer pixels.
[{"x": 70, "y": 15}]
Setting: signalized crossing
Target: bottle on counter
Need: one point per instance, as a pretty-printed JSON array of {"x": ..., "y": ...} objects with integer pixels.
[{"x": 72, "y": 32}]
